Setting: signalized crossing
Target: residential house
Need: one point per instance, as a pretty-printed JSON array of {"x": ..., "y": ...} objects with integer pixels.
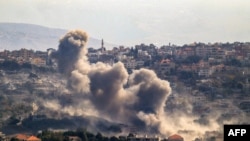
[
  {"x": 33, "y": 138},
  {"x": 38, "y": 61},
  {"x": 164, "y": 67},
  {"x": 24, "y": 137},
  {"x": 202, "y": 51},
  {"x": 129, "y": 64},
  {"x": 93, "y": 57},
  {"x": 4, "y": 54},
  {"x": 165, "y": 50},
  {"x": 23, "y": 53},
  {"x": 41, "y": 54},
  {"x": 188, "y": 51},
  {"x": 205, "y": 69},
  {"x": 73, "y": 138},
  {"x": 107, "y": 59},
  {"x": 242, "y": 50},
  {"x": 217, "y": 53},
  {"x": 2, "y": 137},
  {"x": 140, "y": 63},
  {"x": 230, "y": 54},
  {"x": 205, "y": 72},
  {"x": 175, "y": 137}
]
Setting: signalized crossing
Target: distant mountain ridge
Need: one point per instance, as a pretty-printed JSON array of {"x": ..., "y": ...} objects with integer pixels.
[{"x": 14, "y": 36}]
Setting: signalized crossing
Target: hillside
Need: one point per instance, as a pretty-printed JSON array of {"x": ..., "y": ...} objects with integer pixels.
[{"x": 14, "y": 36}]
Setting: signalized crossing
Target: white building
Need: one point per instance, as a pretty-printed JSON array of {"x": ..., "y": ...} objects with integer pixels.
[
  {"x": 130, "y": 64},
  {"x": 144, "y": 138},
  {"x": 140, "y": 63},
  {"x": 205, "y": 72}
]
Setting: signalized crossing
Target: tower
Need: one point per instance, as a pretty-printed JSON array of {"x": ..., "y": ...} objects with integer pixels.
[
  {"x": 102, "y": 47},
  {"x": 102, "y": 44}
]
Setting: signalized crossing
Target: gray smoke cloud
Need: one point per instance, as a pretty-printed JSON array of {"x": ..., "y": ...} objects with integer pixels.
[
  {"x": 138, "y": 99},
  {"x": 70, "y": 50},
  {"x": 109, "y": 90}
]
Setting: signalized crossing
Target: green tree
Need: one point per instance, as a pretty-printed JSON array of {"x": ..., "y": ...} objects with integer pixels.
[
  {"x": 51, "y": 136},
  {"x": 85, "y": 137},
  {"x": 240, "y": 85},
  {"x": 27, "y": 66},
  {"x": 105, "y": 139},
  {"x": 113, "y": 138},
  {"x": 185, "y": 75},
  {"x": 10, "y": 65},
  {"x": 14, "y": 139},
  {"x": 99, "y": 137},
  {"x": 192, "y": 59},
  {"x": 131, "y": 135},
  {"x": 234, "y": 62},
  {"x": 82, "y": 133}
]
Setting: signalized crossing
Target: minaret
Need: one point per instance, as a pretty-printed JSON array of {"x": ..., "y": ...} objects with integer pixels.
[
  {"x": 102, "y": 44},
  {"x": 102, "y": 48}
]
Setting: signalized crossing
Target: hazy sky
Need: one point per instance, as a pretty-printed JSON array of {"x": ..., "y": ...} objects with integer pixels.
[{"x": 131, "y": 22}]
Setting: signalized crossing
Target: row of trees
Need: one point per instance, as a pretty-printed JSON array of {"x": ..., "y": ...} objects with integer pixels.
[
  {"x": 14, "y": 66},
  {"x": 82, "y": 134}
]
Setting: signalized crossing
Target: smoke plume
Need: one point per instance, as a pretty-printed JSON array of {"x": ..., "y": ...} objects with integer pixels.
[
  {"x": 106, "y": 91},
  {"x": 110, "y": 90}
]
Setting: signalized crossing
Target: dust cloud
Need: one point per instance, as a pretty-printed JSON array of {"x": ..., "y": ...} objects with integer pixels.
[{"x": 137, "y": 99}]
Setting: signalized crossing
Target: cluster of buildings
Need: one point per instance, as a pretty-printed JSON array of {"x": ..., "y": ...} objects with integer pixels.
[
  {"x": 27, "y": 137},
  {"x": 23, "y": 55},
  {"x": 164, "y": 60},
  {"x": 18, "y": 137},
  {"x": 134, "y": 137},
  {"x": 169, "y": 59}
]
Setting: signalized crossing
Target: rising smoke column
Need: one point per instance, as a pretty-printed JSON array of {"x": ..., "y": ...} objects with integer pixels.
[
  {"x": 71, "y": 56},
  {"x": 110, "y": 90},
  {"x": 70, "y": 50}
]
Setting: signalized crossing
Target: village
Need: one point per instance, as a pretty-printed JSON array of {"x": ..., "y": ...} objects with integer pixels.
[{"x": 207, "y": 76}]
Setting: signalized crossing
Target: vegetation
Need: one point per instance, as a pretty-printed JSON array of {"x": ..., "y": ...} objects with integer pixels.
[
  {"x": 191, "y": 60},
  {"x": 81, "y": 133},
  {"x": 9, "y": 65}
]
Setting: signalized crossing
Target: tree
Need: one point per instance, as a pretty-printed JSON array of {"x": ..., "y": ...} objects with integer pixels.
[
  {"x": 115, "y": 128},
  {"x": 51, "y": 136},
  {"x": 240, "y": 85},
  {"x": 105, "y": 139},
  {"x": 85, "y": 137},
  {"x": 13, "y": 139},
  {"x": 13, "y": 120},
  {"x": 82, "y": 133},
  {"x": 234, "y": 62},
  {"x": 29, "y": 86},
  {"x": 192, "y": 59},
  {"x": 147, "y": 63},
  {"x": 113, "y": 138},
  {"x": 131, "y": 135},
  {"x": 10, "y": 65},
  {"x": 186, "y": 75},
  {"x": 27, "y": 66},
  {"x": 136, "y": 53},
  {"x": 69, "y": 133},
  {"x": 99, "y": 136}
]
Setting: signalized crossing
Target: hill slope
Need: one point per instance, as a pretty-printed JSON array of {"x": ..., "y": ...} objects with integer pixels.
[{"x": 14, "y": 36}]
